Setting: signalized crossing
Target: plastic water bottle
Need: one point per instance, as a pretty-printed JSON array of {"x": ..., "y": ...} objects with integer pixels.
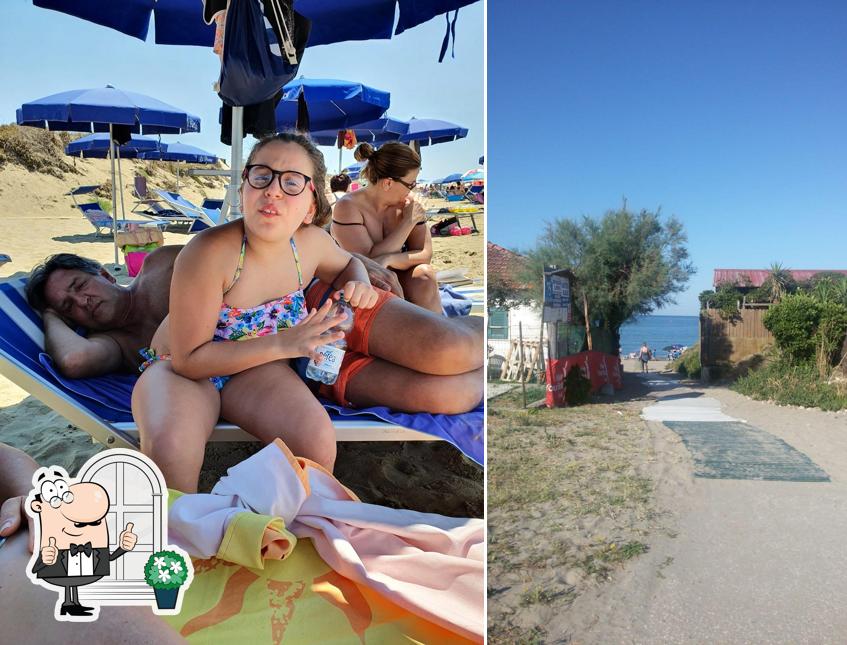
[{"x": 327, "y": 371}]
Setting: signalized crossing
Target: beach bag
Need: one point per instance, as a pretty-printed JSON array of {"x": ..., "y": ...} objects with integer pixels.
[
  {"x": 253, "y": 66},
  {"x": 442, "y": 227}
]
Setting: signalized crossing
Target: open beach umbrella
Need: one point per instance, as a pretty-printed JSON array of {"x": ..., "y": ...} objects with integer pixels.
[
  {"x": 179, "y": 152},
  {"x": 354, "y": 170},
  {"x": 99, "y": 109},
  {"x": 331, "y": 104},
  {"x": 107, "y": 109},
  {"x": 449, "y": 179},
  {"x": 181, "y": 22},
  {"x": 378, "y": 131},
  {"x": 97, "y": 146},
  {"x": 476, "y": 174},
  {"x": 431, "y": 131}
]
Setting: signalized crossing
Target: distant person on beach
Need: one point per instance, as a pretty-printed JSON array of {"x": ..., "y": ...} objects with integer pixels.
[
  {"x": 384, "y": 365},
  {"x": 340, "y": 183},
  {"x": 385, "y": 223},
  {"x": 644, "y": 355}
]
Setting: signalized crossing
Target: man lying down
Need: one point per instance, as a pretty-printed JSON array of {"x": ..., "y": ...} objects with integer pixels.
[{"x": 393, "y": 370}]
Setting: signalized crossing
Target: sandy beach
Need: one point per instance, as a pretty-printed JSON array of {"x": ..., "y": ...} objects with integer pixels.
[{"x": 38, "y": 220}]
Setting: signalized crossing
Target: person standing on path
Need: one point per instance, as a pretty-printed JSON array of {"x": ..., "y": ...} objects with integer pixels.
[{"x": 644, "y": 355}]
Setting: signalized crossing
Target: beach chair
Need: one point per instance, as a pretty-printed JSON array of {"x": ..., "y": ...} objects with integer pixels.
[
  {"x": 22, "y": 361},
  {"x": 100, "y": 219},
  {"x": 201, "y": 217},
  {"x": 476, "y": 194},
  {"x": 149, "y": 205},
  {"x": 97, "y": 217},
  {"x": 213, "y": 204}
]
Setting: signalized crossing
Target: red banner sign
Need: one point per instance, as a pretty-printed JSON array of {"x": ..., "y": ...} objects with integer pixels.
[{"x": 601, "y": 369}]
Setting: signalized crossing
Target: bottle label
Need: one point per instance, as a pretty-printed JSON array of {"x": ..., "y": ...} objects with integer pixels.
[{"x": 332, "y": 357}]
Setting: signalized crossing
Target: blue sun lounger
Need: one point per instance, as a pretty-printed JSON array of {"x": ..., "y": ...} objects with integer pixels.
[
  {"x": 202, "y": 217},
  {"x": 100, "y": 405},
  {"x": 99, "y": 218}
]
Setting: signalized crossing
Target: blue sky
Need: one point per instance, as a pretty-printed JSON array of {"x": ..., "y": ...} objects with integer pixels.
[
  {"x": 45, "y": 52},
  {"x": 731, "y": 115}
]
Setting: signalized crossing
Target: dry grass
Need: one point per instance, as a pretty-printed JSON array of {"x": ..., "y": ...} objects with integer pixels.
[{"x": 569, "y": 501}]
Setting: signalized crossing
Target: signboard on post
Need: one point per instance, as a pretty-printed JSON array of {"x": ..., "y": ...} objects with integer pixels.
[{"x": 557, "y": 296}]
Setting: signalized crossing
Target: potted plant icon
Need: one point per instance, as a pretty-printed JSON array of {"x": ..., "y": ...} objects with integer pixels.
[{"x": 166, "y": 572}]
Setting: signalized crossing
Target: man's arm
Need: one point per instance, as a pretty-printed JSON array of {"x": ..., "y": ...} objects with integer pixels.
[{"x": 78, "y": 357}]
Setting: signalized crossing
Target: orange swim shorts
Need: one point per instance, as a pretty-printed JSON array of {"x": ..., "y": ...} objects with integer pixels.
[{"x": 357, "y": 355}]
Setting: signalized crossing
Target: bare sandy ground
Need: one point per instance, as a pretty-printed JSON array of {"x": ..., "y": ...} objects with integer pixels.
[
  {"x": 38, "y": 219},
  {"x": 742, "y": 561}
]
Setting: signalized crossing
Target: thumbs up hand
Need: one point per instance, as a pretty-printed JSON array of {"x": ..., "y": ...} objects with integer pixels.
[
  {"x": 49, "y": 553},
  {"x": 127, "y": 538}
]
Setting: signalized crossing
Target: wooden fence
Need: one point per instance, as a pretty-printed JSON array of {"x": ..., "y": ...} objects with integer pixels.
[{"x": 731, "y": 341}]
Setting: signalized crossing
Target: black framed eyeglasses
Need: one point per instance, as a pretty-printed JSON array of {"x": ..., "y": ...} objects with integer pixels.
[
  {"x": 291, "y": 182},
  {"x": 405, "y": 183}
]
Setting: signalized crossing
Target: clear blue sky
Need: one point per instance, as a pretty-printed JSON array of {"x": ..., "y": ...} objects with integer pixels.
[
  {"x": 731, "y": 115},
  {"x": 45, "y": 52}
]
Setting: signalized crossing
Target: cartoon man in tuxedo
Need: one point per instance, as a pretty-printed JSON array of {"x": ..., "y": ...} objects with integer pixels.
[{"x": 74, "y": 536}]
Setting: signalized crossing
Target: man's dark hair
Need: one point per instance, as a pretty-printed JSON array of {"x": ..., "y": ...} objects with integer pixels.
[
  {"x": 38, "y": 278},
  {"x": 340, "y": 183}
]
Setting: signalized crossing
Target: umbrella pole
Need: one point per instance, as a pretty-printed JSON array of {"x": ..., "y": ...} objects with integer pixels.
[
  {"x": 114, "y": 210},
  {"x": 339, "y": 160},
  {"x": 236, "y": 161},
  {"x": 120, "y": 192}
]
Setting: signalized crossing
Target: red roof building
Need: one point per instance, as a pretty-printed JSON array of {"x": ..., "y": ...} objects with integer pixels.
[
  {"x": 504, "y": 266},
  {"x": 757, "y": 277}
]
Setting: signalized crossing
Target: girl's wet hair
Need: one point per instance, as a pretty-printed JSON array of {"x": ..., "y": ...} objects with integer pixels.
[
  {"x": 323, "y": 210},
  {"x": 393, "y": 159}
]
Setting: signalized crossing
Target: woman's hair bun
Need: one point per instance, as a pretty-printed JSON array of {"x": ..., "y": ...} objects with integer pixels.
[{"x": 363, "y": 151}]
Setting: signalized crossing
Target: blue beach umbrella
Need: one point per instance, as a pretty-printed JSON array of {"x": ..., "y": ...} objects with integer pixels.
[
  {"x": 111, "y": 110},
  {"x": 354, "y": 170},
  {"x": 332, "y": 104},
  {"x": 378, "y": 131},
  {"x": 431, "y": 131},
  {"x": 179, "y": 152},
  {"x": 97, "y": 146},
  {"x": 180, "y": 22},
  {"x": 98, "y": 109},
  {"x": 449, "y": 179}
]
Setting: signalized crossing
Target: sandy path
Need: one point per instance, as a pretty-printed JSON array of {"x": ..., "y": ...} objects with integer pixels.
[{"x": 748, "y": 561}]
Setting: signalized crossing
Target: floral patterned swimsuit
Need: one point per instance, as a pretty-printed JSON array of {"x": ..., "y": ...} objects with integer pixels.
[{"x": 237, "y": 323}]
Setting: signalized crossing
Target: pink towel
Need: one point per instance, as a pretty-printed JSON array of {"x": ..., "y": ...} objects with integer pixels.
[{"x": 428, "y": 564}]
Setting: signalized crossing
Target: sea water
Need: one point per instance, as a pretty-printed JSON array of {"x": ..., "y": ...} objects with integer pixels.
[{"x": 659, "y": 332}]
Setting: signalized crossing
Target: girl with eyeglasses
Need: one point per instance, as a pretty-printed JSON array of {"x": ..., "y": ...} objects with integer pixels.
[
  {"x": 385, "y": 223},
  {"x": 244, "y": 281}
]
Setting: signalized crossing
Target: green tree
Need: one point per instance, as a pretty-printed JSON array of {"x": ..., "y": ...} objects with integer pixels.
[
  {"x": 779, "y": 282},
  {"x": 625, "y": 264}
]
